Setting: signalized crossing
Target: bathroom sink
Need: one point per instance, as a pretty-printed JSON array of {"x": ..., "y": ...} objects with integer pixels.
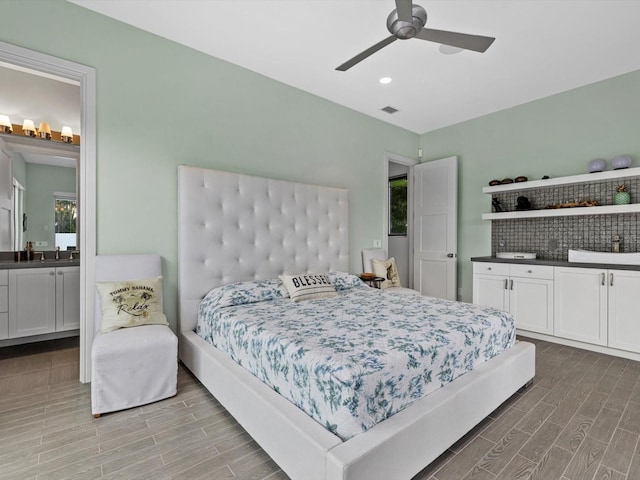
[{"x": 587, "y": 256}]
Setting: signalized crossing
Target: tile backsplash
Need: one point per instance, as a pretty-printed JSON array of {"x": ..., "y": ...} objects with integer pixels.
[{"x": 552, "y": 237}]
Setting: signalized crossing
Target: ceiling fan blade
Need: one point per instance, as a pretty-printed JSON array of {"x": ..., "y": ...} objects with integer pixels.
[
  {"x": 477, "y": 43},
  {"x": 369, "y": 51},
  {"x": 404, "y": 9}
]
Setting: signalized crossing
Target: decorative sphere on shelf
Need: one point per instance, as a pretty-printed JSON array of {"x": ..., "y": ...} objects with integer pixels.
[
  {"x": 597, "y": 165},
  {"x": 622, "y": 161}
]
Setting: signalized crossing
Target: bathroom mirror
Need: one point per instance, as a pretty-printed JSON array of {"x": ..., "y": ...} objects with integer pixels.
[{"x": 42, "y": 183}]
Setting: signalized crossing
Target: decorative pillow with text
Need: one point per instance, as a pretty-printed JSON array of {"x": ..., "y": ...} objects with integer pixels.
[
  {"x": 131, "y": 303},
  {"x": 308, "y": 286}
]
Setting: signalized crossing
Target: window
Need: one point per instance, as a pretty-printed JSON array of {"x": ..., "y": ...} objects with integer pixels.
[
  {"x": 398, "y": 205},
  {"x": 65, "y": 221}
]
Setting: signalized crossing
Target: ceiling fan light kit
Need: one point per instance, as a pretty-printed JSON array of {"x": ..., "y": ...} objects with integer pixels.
[{"x": 407, "y": 21}]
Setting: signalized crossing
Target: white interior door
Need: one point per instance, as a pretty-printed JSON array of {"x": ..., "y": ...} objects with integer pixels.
[{"x": 435, "y": 228}]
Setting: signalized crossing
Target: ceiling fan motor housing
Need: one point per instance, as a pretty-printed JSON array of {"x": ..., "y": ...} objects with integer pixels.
[{"x": 405, "y": 30}]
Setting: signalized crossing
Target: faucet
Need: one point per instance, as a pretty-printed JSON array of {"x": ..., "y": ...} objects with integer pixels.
[
  {"x": 39, "y": 253},
  {"x": 615, "y": 244},
  {"x": 71, "y": 254},
  {"x": 58, "y": 252}
]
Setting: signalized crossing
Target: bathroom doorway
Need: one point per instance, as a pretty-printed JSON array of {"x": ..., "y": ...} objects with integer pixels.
[{"x": 36, "y": 63}]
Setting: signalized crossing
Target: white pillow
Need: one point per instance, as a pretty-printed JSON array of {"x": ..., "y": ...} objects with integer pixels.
[
  {"x": 131, "y": 303},
  {"x": 387, "y": 270},
  {"x": 308, "y": 286}
]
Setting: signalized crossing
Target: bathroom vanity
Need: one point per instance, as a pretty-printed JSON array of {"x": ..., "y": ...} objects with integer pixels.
[
  {"x": 588, "y": 305},
  {"x": 39, "y": 300}
]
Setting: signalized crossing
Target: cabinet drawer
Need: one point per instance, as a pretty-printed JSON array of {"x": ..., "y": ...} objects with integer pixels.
[
  {"x": 4, "y": 277},
  {"x": 4, "y": 299},
  {"x": 532, "y": 271},
  {"x": 491, "y": 268}
]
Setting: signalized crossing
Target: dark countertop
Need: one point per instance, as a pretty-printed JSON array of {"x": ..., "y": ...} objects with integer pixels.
[
  {"x": 556, "y": 263},
  {"x": 9, "y": 265}
]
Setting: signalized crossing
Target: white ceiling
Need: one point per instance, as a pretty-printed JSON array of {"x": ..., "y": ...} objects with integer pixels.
[{"x": 542, "y": 47}]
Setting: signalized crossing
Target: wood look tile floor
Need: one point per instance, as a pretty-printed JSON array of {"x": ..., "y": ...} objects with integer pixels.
[{"x": 579, "y": 421}]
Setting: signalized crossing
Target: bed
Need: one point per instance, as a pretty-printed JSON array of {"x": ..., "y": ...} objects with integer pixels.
[{"x": 238, "y": 228}]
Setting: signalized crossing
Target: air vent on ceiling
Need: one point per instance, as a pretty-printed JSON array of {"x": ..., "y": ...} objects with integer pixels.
[{"x": 390, "y": 110}]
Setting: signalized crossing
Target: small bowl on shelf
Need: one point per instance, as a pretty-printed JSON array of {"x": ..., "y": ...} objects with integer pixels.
[{"x": 367, "y": 276}]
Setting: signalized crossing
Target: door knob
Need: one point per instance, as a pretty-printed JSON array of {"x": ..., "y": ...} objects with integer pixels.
[{"x": 450, "y": 255}]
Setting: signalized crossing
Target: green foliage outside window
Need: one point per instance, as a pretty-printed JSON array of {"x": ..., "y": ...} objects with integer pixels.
[
  {"x": 65, "y": 220},
  {"x": 398, "y": 206}
]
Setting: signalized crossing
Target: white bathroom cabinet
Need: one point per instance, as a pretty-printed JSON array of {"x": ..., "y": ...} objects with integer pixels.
[
  {"x": 526, "y": 291},
  {"x": 67, "y": 298},
  {"x": 43, "y": 300}
]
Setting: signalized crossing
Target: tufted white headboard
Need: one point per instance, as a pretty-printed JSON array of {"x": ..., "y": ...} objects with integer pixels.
[{"x": 234, "y": 227}]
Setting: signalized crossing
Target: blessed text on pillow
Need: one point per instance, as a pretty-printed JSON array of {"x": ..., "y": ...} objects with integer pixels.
[{"x": 308, "y": 286}]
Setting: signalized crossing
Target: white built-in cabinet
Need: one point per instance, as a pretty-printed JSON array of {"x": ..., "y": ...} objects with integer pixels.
[
  {"x": 526, "y": 291},
  {"x": 4, "y": 304},
  {"x": 581, "y": 304},
  {"x": 43, "y": 300},
  {"x": 598, "y": 306},
  {"x": 624, "y": 309},
  {"x": 590, "y": 305}
]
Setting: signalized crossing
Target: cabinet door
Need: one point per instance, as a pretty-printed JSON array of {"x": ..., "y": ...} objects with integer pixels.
[
  {"x": 531, "y": 304},
  {"x": 67, "y": 298},
  {"x": 580, "y": 311},
  {"x": 4, "y": 304},
  {"x": 32, "y": 302},
  {"x": 624, "y": 310},
  {"x": 491, "y": 290}
]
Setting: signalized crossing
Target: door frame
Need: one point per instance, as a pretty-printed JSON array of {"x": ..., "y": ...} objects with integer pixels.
[
  {"x": 409, "y": 162},
  {"x": 86, "y": 77}
]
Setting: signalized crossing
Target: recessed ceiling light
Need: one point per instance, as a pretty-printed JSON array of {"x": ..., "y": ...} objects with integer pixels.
[{"x": 385, "y": 80}]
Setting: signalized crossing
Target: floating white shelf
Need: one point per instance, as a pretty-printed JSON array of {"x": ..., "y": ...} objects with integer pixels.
[
  {"x": 564, "y": 212},
  {"x": 573, "y": 179}
]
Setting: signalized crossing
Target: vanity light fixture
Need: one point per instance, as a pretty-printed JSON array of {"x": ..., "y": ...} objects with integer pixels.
[
  {"x": 44, "y": 131},
  {"x": 5, "y": 124},
  {"x": 28, "y": 128},
  {"x": 66, "y": 134}
]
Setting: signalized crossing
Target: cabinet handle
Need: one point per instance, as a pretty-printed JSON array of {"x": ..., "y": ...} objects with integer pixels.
[
  {"x": 603, "y": 277},
  {"x": 488, "y": 268},
  {"x": 51, "y": 273},
  {"x": 506, "y": 284},
  {"x": 611, "y": 279},
  {"x": 529, "y": 271},
  {"x": 511, "y": 284}
]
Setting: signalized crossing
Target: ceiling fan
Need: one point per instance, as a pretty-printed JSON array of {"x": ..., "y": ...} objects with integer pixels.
[{"x": 408, "y": 21}]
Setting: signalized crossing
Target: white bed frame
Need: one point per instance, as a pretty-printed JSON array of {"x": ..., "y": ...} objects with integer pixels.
[{"x": 234, "y": 227}]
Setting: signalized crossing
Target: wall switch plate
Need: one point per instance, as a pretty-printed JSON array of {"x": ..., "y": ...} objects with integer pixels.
[
  {"x": 377, "y": 243},
  {"x": 42, "y": 243}
]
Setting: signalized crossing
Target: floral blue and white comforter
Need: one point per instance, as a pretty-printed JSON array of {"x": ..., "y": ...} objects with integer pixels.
[{"x": 356, "y": 359}]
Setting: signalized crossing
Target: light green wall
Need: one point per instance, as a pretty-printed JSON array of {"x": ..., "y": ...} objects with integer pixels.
[
  {"x": 160, "y": 104},
  {"x": 554, "y": 136},
  {"x": 19, "y": 168},
  {"x": 42, "y": 182}
]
